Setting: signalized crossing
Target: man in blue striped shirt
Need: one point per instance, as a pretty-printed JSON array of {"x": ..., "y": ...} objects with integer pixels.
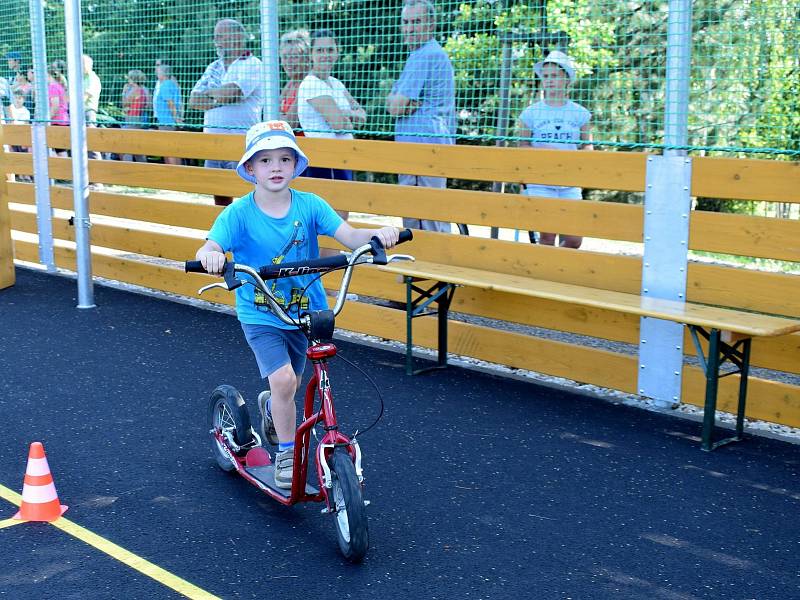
[{"x": 423, "y": 98}]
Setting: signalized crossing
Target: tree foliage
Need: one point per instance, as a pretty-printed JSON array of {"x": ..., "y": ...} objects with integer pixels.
[{"x": 745, "y": 74}]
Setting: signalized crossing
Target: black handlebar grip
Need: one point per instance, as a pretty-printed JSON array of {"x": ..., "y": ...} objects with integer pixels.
[
  {"x": 194, "y": 266},
  {"x": 405, "y": 236},
  {"x": 306, "y": 267}
]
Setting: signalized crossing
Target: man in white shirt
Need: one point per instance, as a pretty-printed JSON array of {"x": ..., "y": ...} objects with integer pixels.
[
  {"x": 230, "y": 90},
  {"x": 91, "y": 97}
]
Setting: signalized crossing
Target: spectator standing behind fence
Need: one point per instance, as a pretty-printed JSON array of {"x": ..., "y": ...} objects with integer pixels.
[
  {"x": 20, "y": 115},
  {"x": 423, "y": 98},
  {"x": 229, "y": 91},
  {"x": 14, "y": 61},
  {"x": 91, "y": 97},
  {"x": 295, "y": 52},
  {"x": 5, "y": 100},
  {"x": 167, "y": 104},
  {"x": 557, "y": 123},
  {"x": 23, "y": 85},
  {"x": 5, "y": 113},
  {"x": 60, "y": 66},
  {"x": 324, "y": 105},
  {"x": 136, "y": 102},
  {"x": 59, "y": 103}
]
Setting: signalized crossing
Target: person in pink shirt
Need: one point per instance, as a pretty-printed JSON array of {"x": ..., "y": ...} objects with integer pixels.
[{"x": 59, "y": 103}]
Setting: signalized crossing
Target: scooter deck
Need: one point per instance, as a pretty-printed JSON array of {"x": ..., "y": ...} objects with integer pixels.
[{"x": 266, "y": 475}]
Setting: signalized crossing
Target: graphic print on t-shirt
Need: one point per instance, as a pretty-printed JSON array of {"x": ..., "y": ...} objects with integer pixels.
[
  {"x": 294, "y": 245},
  {"x": 558, "y": 128},
  {"x": 555, "y": 127}
]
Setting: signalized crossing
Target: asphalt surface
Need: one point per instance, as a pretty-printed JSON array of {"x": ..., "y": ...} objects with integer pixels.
[{"x": 480, "y": 486}]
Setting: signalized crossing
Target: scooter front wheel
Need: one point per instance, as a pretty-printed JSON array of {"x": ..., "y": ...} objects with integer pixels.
[
  {"x": 351, "y": 515},
  {"x": 228, "y": 413}
]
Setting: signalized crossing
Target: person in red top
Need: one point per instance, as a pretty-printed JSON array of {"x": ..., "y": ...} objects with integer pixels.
[
  {"x": 136, "y": 104},
  {"x": 295, "y": 52}
]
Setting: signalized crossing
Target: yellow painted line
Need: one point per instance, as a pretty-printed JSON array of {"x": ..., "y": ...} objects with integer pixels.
[
  {"x": 135, "y": 562},
  {"x": 7, "y": 494},
  {"x": 9, "y": 523},
  {"x": 113, "y": 550}
]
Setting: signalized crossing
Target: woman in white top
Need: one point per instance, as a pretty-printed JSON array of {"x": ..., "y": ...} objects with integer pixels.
[
  {"x": 324, "y": 105},
  {"x": 555, "y": 122}
]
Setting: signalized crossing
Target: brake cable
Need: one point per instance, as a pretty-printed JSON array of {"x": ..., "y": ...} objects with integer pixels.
[{"x": 377, "y": 389}]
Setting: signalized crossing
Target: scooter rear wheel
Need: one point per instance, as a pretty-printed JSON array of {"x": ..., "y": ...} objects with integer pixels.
[
  {"x": 351, "y": 515},
  {"x": 227, "y": 412}
]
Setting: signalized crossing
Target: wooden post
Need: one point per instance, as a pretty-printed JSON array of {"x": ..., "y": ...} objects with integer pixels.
[{"x": 7, "y": 277}]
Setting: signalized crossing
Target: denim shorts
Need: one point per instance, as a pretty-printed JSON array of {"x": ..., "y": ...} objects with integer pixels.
[
  {"x": 324, "y": 173},
  {"x": 221, "y": 164},
  {"x": 274, "y": 348},
  {"x": 553, "y": 191}
]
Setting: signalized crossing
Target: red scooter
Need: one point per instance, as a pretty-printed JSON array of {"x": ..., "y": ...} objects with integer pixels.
[{"x": 237, "y": 447}]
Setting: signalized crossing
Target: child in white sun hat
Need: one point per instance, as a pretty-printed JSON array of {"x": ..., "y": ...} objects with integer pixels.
[
  {"x": 557, "y": 123},
  {"x": 270, "y": 225}
]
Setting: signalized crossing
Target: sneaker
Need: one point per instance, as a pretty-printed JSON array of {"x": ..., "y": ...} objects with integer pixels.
[
  {"x": 284, "y": 466},
  {"x": 268, "y": 433}
]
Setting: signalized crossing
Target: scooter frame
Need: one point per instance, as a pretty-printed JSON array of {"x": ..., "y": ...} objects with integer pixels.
[{"x": 318, "y": 385}]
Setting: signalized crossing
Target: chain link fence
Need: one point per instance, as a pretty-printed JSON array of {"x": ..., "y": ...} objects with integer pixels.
[{"x": 744, "y": 87}]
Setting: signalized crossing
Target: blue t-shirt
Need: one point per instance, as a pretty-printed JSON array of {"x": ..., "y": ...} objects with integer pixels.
[
  {"x": 427, "y": 77},
  {"x": 256, "y": 239},
  {"x": 555, "y": 127},
  {"x": 166, "y": 90}
]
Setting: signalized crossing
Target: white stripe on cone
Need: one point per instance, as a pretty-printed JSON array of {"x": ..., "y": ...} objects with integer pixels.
[
  {"x": 37, "y": 467},
  {"x": 39, "y": 494}
]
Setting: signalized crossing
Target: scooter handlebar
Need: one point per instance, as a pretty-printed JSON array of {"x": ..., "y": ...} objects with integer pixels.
[
  {"x": 405, "y": 236},
  {"x": 194, "y": 266}
]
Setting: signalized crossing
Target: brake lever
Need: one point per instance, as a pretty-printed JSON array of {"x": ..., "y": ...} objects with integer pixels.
[
  {"x": 211, "y": 286},
  {"x": 393, "y": 257},
  {"x": 231, "y": 282}
]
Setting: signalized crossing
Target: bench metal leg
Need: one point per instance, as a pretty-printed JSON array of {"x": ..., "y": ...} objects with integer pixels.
[
  {"x": 442, "y": 294},
  {"x": 712, "y": 385},
  {"x": 744, "y": 369},
  {"x": 720, "y": 352}
]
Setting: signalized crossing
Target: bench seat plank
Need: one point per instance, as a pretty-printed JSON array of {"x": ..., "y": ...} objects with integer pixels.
[{"x": 711, "y": 317}]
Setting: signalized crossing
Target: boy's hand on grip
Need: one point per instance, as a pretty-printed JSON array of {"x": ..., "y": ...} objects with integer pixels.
[
  {"x": 388, "y": 236},
  {"x": 213, "y": 262}
]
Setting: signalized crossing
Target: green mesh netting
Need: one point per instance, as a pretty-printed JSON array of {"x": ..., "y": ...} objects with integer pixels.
[{"x": 744, "y": 84}]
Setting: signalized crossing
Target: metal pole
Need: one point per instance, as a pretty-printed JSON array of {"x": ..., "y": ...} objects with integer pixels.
[
  {"x": 80, "y": 166},
  {"x": 41, "y": 174},
  {"x": 679, "y": 55},
  {"x": 270, "y": 59},
  {"x": 666, "y": 223}
]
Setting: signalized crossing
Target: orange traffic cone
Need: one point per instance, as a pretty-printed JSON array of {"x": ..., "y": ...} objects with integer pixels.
[{"x": 39, "y": 498}]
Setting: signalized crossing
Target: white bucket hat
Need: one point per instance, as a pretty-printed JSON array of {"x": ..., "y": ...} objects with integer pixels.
[
  {"x": 557, "y": 58},
  {"x": 270, "y": 135}
]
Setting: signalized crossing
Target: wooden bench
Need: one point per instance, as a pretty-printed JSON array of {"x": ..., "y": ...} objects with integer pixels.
[{"x": 728, "y": 332}]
